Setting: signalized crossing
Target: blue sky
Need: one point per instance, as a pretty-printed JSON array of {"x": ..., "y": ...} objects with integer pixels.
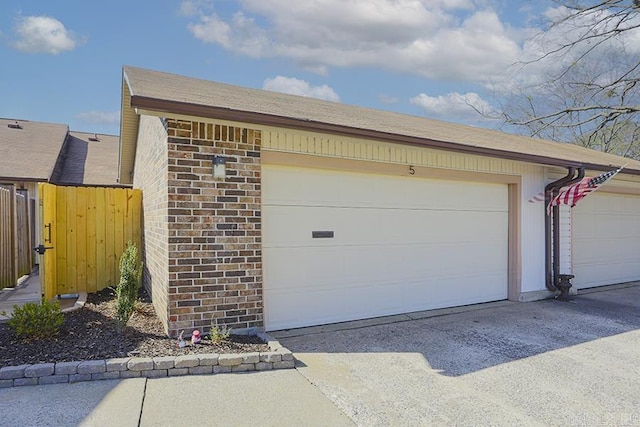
[{"x": 61, "y": 61}]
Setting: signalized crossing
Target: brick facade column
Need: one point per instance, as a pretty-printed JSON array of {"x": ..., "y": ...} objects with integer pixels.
[{"x": 215, "y": 248}]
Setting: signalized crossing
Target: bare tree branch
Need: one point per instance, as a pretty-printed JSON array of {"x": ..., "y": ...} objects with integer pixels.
[
  {"x": 607, "y": 111},
  {"x": 590, "y": 94}
]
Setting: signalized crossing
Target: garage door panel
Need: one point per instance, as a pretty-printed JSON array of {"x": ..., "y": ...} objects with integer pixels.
[
  {"x": 399, "y": 245},
  {"x": 603, "y": 203},
  {"x": 607, "y": 251},
  {"x": 327, "y": 188},
  {"x": 611, "y": 226},
  {"x": 290, "y": 225},
  {"x": 357, "y": 302},
  {"x": 382, "y": 296},
  {"x": 606, "y": 240},
  {"x": 599, "y": 274},
  {"x": 315, "y": 267}
]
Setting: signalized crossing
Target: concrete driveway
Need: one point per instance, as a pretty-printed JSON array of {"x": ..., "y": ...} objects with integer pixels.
[{"x": 539, "y": 363}]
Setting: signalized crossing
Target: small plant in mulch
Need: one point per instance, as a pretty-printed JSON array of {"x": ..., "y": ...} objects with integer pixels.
[
  {"x": 217, "y": 335},
  {"x": 129, "y": 285},
  {"x": 35, "y": 321}
]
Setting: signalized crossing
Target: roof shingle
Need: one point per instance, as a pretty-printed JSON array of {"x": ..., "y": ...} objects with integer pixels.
[
  {"x": 30, "y": 152},
  {"x": 89, "y": 162},
  {"x": 170, "y": 93}
]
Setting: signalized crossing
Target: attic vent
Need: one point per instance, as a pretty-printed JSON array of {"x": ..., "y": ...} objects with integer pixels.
[
  {"x": 15, "y": 125},
  {"x": 94, "y": 138}
]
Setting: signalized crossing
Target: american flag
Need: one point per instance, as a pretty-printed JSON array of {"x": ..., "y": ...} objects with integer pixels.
[
  {"x": 574, "y": 193},
  {"x": 537, "y": 198}
]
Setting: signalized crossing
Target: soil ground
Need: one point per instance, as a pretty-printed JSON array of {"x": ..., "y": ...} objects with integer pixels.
[{"x": 90, "y": 333}]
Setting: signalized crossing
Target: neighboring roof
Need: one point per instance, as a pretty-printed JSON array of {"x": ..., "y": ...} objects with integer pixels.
[
  {"x": 29, "y": 152},
  {"x": 159, "y": 92},
  {"x": 87, "y": 161},
  {"x": 48, "y": 152}
]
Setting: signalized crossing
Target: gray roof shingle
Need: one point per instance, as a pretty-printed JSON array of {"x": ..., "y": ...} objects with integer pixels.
[
  {"x": 48, "y": 152},
  {"x": 31, "y": 152},
  {"x": 89, "y": 162}
]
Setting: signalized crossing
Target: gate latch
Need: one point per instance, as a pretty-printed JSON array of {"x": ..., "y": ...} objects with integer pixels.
[{"x": 40, "y": 249}]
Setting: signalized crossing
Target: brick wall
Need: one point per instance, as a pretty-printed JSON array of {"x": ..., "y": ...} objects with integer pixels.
[
  {"x": 151, "y": 176},
  {"x": 214, "y": 241}
]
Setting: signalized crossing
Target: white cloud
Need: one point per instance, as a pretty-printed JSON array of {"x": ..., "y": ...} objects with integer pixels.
[
  {"x": 454, "y": 4},
  {"x": 191, "y": 7},
  {"x": 239, "y": 34},
  {"x": 100, "y": 117},
  {"x": 454, "y": 106},
  {"x": 43, "y": 34},
  {"x": 442, "y": 39},
  {"x": 295, "y": 86},
  {"x": 388, "y": 99}
]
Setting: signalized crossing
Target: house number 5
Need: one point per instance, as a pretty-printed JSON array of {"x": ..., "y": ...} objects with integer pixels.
[{"x": 412, "y": 171}]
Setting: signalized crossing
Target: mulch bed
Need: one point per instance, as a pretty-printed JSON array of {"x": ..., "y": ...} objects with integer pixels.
[{"x": 90, "y": 333}]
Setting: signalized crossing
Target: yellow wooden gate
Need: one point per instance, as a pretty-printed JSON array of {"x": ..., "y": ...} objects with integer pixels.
[{"x": 84, "y": 231}]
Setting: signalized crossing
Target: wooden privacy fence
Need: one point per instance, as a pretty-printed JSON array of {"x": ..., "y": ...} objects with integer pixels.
[
  {"x": 23, "y": 235},
  {"x": 15, "y": 241},
  {"x": 86, "y": 230}
]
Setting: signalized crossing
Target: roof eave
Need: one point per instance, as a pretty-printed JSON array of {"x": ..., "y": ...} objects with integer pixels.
[
  {"x": 10, "y": 179},
  {"x": 198, "y": 110}
]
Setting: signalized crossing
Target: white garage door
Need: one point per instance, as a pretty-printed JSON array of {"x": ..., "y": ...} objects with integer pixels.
[
  {"x": 400, "y": 244},
  {"x": 606, "y": 240}
]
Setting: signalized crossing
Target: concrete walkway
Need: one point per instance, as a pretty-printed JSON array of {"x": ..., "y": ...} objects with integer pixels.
[
  {"x": 26, "y": 291},
  {"x": 271, "y": 398}
]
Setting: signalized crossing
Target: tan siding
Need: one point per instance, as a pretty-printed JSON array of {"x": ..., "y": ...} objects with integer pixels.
[
  {"x": 293, "y": 141},
  {"x": 129, "y": 121}
]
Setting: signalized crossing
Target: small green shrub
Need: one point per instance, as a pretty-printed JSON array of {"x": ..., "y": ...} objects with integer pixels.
[
  {"x": 129, "y": 285},
  {"x": 36, "y": 321},
  {"x": 218, "y": 335}
]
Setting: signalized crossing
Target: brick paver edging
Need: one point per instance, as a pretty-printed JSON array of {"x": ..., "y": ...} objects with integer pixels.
[{"x": 150, "y": 367}]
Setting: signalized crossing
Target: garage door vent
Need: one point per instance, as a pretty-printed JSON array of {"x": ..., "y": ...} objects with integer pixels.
[{"x": 322, "y": 234}]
